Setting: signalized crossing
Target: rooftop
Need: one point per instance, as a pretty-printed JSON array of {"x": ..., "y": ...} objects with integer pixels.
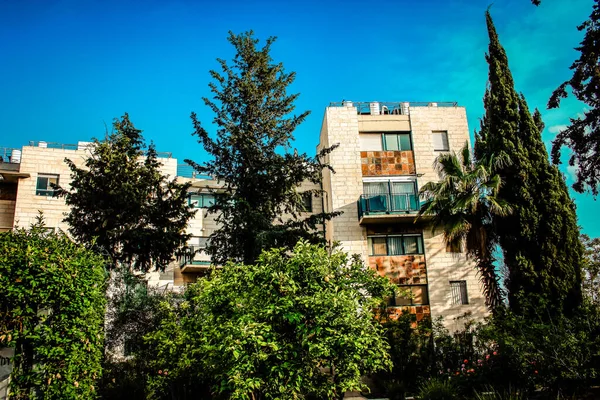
[{"x": 389, "y": 107}]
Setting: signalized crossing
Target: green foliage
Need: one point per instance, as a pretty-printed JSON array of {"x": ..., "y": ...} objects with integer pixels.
[
  {"x": 51, "y": 313},
  {"x": 134, "y": 312},
  {"x": 293, "y": 326},
  {"x": 591, "y": 269},
  {"x": 123, "y": 206},
  {"x": 438, "y": 389},
  {"x": 411, "y": 354},
  {"x": 463, "y": 203},
  {"x": 540, "y": 238},
  {"x": 492, "y": 394},
  {"x": 512, "y": 353},
  {"x": 252, "y": 157},
  {"x": 582, "y": 136}
]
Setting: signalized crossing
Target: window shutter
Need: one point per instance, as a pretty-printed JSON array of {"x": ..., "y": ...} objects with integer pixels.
[
  {"x": 370, "y": 141},
  {"x": 440, "y": 141}
]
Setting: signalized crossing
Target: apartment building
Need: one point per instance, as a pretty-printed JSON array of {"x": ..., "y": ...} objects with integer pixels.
[
  {"x": 386, "y": 153},
  {"x": 27, "y": 175}
]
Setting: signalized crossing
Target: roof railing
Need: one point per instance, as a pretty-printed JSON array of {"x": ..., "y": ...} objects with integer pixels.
[
  {"x": 187, "y": 171},
  {"x": 389, "y": 107},
  {"x": 10, "y": 155},
  {"x": 81, "y": 146}
]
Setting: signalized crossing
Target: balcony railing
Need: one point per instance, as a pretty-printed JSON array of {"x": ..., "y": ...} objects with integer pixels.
[
  {"x": 387, "y": 203},
  {"x": 192, "y": 255}
]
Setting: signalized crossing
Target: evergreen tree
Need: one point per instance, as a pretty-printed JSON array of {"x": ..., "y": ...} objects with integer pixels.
[
  {"x": 540, "y": 239},
  {"x": 582, "y": 136},
  {"x": 123, "y": 206},
  {"x": 251, "y": 156}
]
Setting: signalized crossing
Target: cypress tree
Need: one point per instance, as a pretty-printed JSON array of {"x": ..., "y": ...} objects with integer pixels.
[{"x": 540, "y": 239}]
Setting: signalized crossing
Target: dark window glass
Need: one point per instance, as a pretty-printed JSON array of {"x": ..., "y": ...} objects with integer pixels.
[
  {"x": 459, "y": 292},
  {"x": 44, "y": 186}
]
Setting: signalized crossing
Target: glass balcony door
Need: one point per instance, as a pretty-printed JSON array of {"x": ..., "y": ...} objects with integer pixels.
[{"x": 389, "y": 197}]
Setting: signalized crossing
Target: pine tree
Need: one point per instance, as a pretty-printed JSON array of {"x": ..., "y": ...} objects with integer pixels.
[
  {"x": 252, "y": 157},
  {"x": 582, "y": 136},
  {"x": 540, "y": 239},
  {"x": 123, "y": 206}
]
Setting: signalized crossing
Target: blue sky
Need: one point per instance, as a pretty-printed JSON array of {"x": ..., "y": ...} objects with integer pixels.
[{"x": 69, "y": 67}]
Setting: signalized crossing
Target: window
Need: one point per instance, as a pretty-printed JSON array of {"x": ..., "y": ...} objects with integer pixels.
[
  {"x": 45, "y": 184},
  {"x": 397, "y": 141},
  {"x": 418, "y": 296},
  {"x": 389, "y": 196},
  {"x": 198, "y": 242},
  {"x": 454, "y": 247},
  {"x": 307, "y": 202},
  {"x": 202, "y": 200},
  {"x": 395, "y": 245},
  {"x": 8, "y": 190},
  {"x": 370, "y": 141},
  {"x": 459, "y": 292},
  {"x": 440, "y": 141}
]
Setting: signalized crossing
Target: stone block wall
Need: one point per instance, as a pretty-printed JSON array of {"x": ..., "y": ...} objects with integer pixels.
[
  {"x": 345, "y": 186},
  {"x": 401, "y": 270},
  {"x": 443, "y": 267},
  {"x": 41, "y": 160},
  {"x": 424, "y": 121},
  {"x": 383, "y": 163},
  {"x": 7, "y": 214}
]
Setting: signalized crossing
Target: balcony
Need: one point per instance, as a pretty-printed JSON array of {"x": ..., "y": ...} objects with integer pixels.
[
  {"x": 194, "y": 259},
  {"x": 387, "y": 207}
]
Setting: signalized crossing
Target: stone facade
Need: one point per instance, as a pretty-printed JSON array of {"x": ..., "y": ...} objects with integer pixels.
[
  {"x": 436, "y": 268},
  {"x": 401, "y": 270},
  {"x": 433, "y": 268},
  {"x": 381, "y": 163},
  {"x": 7, "y": 214},
  {"x": 344, "y": 187}
]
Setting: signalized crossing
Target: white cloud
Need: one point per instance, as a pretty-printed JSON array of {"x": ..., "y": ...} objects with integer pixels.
[{"x": 557, "y": 128}]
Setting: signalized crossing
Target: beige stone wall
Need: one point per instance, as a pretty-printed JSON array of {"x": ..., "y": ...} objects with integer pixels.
[
  {"x": 443, "y": 267},
  {"x": 327, "y": 174},
  {"x": 341, "y": 125},
  {"x": 39, "y": 160},
  {"x": 383, "y": 123},
  {"x": 425, "y": 120},
  {"x": 7, "y": 214},
  {"x": 345, "y": 186}
]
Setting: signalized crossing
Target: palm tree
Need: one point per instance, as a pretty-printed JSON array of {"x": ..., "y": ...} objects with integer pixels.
[{"x": 463, "y": 203}]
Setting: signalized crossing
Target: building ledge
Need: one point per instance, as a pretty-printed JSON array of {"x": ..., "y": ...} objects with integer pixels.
[
  {"x": 196, "y": 266},
  {"x": 389, "y": 218}
]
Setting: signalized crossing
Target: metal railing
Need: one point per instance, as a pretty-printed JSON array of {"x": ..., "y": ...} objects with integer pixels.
[
  {"x": 188, "y": 256},
  {"x": 386, "y": 203},
  {"x": 6, "y": 155},
  {"x": 187, "y": 171},
  {"x": 389, "y": 107},
  {"x": 53, "y": 145}
]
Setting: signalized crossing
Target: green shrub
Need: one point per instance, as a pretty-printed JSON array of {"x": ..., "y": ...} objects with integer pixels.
[
  {"x": 438, "y": 389},
  {"x": 492, "y": 394},
  {"x": 52, "y": 313}
]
